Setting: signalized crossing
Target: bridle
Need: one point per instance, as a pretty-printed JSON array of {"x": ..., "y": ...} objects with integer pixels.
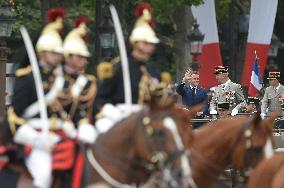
[
  {"x": 249, "y": 150},
  {"x": 245, "y": 134},
  {"x": 158, "y": 160}
]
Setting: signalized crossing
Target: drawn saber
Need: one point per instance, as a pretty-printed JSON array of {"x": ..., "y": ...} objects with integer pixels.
[
  {"x": 123, "y": 55},
  {"x": 37, "y": 79}
]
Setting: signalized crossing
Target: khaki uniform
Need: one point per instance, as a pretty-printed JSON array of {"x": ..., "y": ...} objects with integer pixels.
[
  {"x": 270, "y": 101},
  {"x": 232, "y": 93}
]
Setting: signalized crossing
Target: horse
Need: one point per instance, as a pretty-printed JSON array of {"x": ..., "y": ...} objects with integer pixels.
[
  {"x": 144, "y": 149},
  {"x": 238, "y": 142},
  {"x": 269, "y": 173}
]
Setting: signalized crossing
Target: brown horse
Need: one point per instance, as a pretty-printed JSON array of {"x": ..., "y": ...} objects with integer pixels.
[
  {"x": 269, "y": 173},
  {"x": 238, "y": 142},
  {"x": 142, "y": 147}
]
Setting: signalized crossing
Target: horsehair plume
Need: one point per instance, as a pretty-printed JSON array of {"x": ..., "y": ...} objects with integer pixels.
[
  {"x": 141, "y": 7},
  {"x": 54, "y": 13},
  {"x": 140, "y": 10},
  {"x": 81, "y": 19}
]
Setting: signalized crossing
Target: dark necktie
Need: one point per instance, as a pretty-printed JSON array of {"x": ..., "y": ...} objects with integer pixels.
[{"x": 193, "y": 91}]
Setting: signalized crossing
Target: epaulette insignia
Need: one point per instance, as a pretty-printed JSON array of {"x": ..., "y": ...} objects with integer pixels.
[
  {"x": 23, "y": 71},
  {"x": 105, "y": 70},
  {"x": 91, "y": 77}
]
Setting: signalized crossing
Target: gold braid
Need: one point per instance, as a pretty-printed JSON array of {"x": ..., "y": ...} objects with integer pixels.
[{"x": 144, "y": 86}]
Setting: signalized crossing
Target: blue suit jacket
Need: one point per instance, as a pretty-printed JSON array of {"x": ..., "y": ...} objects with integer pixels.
[{"x": 189, "y": 99}]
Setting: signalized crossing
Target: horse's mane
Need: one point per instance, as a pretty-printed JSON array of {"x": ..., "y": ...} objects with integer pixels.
[
  {"x": 214, "y": 128},
  {"x": 219, "y": 134}
]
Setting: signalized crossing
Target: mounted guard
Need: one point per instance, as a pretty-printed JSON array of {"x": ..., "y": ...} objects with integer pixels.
[
  {"x": 23, "y": 115},
  {"x": 142, "y": 74}
]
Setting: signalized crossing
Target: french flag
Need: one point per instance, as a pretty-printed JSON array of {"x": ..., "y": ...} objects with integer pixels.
[
  {"x": 255, "y": 80},
  {"x": 261, "y": 24},
  {"x": 211, "y": 57}
]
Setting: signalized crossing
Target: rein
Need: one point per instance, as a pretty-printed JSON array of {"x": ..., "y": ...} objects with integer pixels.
[{"x": 148, "y": 166}]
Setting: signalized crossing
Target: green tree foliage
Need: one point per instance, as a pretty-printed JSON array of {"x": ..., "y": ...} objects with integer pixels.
[
  {"x": 26, "y": 13},
  {"x": 29, "y": 14},
  {"x": 222, "y": 8}
]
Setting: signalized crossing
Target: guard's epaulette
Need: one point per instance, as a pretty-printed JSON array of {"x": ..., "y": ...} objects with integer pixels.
[
  {"x": 91, "y": 77},
  {"x": 23, "y": 71},
  {"x": 105, "y": 70}
]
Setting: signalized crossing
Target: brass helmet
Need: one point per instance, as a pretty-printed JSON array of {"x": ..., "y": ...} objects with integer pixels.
[
  {"x": 50, "y": 39},
  {"x": 74, "y": 42},
  {"x": 143, "y": 32}
]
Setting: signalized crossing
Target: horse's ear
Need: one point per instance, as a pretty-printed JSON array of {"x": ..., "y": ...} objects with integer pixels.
[
  {"x": 256, "y": 119},
  {"x": 158, "y": 102},
  {"x": 196, "y": 108}
]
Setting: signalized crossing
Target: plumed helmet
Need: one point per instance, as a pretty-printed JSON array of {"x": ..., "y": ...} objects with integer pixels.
[
  {"x": 50, "y": 39},
  {"x": 75, "y": 41},
  {"x": 143, "y": 31}
]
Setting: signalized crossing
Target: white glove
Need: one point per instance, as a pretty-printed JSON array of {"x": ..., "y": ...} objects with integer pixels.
[
  {"x": 69, "y": 129},
  {"x": 27, "y": 135},
  {"x": 262, "y": 115},
  {"x": 234, "y": 112},
  {"x": 46, "y": 141},
  {"x": 111, "y": 112},
  {"x": 213, "y": 112},
  {"x": 103, "y": 125},
  {"x": 87, "y": 133}
]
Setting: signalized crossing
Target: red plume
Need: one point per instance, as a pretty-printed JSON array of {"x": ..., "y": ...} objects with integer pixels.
[
  {"x": 79, "y": 20},
  {"x": 139, "y": 11},
  {"x": 54, "y": 13}
]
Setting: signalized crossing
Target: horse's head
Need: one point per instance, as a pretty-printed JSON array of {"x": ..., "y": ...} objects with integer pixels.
[
  {"x": 159, "y": 144},
  {"x": 253, "y": 142}
]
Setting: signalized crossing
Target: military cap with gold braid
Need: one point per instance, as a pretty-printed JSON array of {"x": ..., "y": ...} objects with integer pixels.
[
  {"x": 50, "y": 40},
  {"x": 143, "y": 32},
  {"x": 221, "y": 69},
  {"x": 223, "y": 105},
  {"x": 74, "y": 43},
  {"x": 253, "y": 100},
  {"x": 273, "y": 75}
]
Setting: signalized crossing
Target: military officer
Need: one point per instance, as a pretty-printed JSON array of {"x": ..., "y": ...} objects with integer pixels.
[
  {"x": 271, "y": 101},
  {"x": 227, "y": 91},
  {"x": 142, "y": 40},
  {"x": 23, "y": 115},
  {"x": 252, "y": 105},
  {"x": 223, "y": 110}
]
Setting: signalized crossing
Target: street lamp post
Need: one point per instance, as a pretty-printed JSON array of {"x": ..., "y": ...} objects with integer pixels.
[
  {"x": 195, "y": 40},
  {"x": 6, "y": 24},
  {"x": 107, "y": 37}
]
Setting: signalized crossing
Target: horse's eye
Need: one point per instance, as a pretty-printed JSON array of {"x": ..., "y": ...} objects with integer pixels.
[
  {"x": 159, "y": 134},
  {"x": 257, "y": 150}
]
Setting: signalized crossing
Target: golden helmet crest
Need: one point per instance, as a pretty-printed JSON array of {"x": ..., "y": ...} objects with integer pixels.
[
  {"x": 74, "y": 42},
  {"x": 143, "y": 32},
  {"x": 50, "y": 39}
]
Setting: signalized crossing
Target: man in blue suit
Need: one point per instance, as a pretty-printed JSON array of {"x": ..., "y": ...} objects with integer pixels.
[{"x": 191, "y": 93}]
